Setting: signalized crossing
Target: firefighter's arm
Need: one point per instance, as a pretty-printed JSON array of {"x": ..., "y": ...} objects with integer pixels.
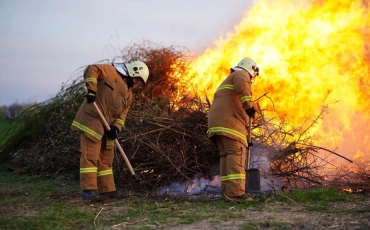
[
  {"x": 91, "y": 76},
  {"x": 119, "y": 122},
  {"x": 243, "y": 87}
]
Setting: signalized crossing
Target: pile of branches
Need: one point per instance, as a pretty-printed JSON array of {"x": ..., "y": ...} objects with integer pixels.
[
  {"x": 164, "y": 135},
  {"x": 165, "y": 149},
  {"x": 293, "y": 158}
]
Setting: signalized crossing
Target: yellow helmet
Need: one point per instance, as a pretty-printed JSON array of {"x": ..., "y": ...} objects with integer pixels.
[
  {"x": 138, "y": 69},
  {"x": 249, "y": 65}
]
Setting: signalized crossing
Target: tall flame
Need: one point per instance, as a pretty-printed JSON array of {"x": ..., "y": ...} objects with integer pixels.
[{"x": 311, "y": 54}]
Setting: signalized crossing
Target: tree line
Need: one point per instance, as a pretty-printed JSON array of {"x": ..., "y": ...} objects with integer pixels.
[{"x": 13, "y": 110}]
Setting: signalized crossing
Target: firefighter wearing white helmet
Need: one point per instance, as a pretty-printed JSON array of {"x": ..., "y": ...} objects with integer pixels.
[
  {"x": 110, "y": 86},
  {"x": 249, "y": 65},
  {"x": 136, "y": 69},
  {"x": 227, "y": 119}
]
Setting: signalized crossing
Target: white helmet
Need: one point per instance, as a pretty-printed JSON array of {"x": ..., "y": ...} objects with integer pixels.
[
  {"x": 138, "y": 69},
  {"x": 249, "y": 65}
]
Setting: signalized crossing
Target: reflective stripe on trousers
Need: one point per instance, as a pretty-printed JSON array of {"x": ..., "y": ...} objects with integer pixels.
[
  {"x": 232, "y": 162},
  {"x": 96, "y": 165}
]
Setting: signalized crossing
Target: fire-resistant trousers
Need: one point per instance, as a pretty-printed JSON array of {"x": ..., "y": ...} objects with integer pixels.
[
  {"x": 232, "y": 166},
  {"x": 96, "y": 165}
]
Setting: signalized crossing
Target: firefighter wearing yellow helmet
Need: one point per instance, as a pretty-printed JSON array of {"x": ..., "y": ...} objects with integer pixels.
[
  {"x": 227, "y": 119},
  {"x": 110, "y": 87}
]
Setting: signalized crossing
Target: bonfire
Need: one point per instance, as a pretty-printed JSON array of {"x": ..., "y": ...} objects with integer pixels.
[
  {"x": 165, "y": 134},
  {"x": 311, "y": 127}
]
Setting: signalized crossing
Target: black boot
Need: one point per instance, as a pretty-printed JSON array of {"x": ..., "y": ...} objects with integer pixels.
[
  {"x": 88, "y": 195},
  {"x": 109, "y": 195}
]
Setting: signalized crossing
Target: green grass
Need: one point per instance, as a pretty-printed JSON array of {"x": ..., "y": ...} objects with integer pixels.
[
  {"x": 40, "y": 202},
  {"x": 318, "y": 194},
  {"x": 8, "y": 132},
  {"x": 4, "y": 126},
  {"x": 8, "y": 128}
]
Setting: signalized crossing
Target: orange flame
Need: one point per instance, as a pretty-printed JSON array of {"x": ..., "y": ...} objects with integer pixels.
[{"x": 311, "y": 54}]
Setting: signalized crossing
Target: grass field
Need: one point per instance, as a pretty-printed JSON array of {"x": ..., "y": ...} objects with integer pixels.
[
  {"x": 40, "y": 202},
  {"x": 4, "y": 126}
]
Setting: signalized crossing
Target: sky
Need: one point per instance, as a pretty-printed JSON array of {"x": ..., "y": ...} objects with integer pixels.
[{"x": 43, "y": 41}]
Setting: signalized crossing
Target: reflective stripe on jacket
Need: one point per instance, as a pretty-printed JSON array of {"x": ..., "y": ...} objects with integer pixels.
[
  {"x": 227, "y": 114},
  {"x": 113, "y": 97}
]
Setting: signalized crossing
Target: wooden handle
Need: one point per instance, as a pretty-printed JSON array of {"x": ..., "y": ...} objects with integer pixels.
[
  {"x": 250, "y": 130},
  {"x": 115, "y": 140},
  {"x": 106, "y": 125},
  {"x": 249, "y": 139}
]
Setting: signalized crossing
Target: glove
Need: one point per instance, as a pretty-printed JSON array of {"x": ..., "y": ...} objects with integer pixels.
[
  {"x": 250, "y": 112},
  {"x": 250, "y": 144},
  {"x": 113, "y": 132},
  {"x": 90, "y": 96}
]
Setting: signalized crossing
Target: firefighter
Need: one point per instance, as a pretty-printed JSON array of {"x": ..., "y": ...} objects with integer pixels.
[
  {"x": 110, "y": 87},
  {"x": 227, "y": 119}
]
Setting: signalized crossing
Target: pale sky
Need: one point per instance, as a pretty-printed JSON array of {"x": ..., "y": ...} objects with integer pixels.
[{"x": 43, "y": 41}]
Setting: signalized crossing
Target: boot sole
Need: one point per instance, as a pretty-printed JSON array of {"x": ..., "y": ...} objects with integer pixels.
[{"x": 237, "y": 199}]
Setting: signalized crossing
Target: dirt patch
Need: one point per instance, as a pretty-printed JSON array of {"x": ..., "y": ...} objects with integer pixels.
[{"x": 293, "y": 216}]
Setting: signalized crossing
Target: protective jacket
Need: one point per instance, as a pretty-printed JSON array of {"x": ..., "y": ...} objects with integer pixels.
[
  {"x": 227, "y": 114},
  {"x": 113, "y": 97}
]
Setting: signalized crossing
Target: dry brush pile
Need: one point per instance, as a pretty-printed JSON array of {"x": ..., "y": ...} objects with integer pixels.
[{"x": 164, "y": 135}]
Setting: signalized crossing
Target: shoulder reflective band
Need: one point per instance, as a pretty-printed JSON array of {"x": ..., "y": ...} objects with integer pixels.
[
  {"x": 226, "y": 86},
  {"x": 91, "y": 79},
  {"x": 245, "y": 98}
]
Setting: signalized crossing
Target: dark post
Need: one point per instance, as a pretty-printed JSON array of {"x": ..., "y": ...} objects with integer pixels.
[{"x": 253, "y": 183}]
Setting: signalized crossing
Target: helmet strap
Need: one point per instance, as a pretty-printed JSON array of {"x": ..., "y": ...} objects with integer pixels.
[{"x": 129, "y": 81}]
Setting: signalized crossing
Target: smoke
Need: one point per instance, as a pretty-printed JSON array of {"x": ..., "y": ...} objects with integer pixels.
[
  {"x": 196, "y": 186},
  {"x": 201, "y": 185},
  {"x": 260, "y": 160}
]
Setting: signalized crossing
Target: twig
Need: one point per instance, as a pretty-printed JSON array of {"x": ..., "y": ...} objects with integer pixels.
[
  {"x": 264, "y": 122},
  {"x": 143, "y": 134},
  {"x": 157, "y": 223},
  {"x": 264, "y": 95},
  {"x": 327, "y": 151},
  {"x": 287, "y": 198},
  {"x": 166, "y": 127},
  {"x": 209, "y": 186},
  {"x": 129, "y": 223},
  {"x": 97, "y": 216},
  {"x": 208, "y": 102},
  {"x": 284, "y": 174},
  {"x": 158, "y": 150}
]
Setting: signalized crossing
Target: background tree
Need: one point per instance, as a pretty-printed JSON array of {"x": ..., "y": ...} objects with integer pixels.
[{"x": 2, "y": 113}]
